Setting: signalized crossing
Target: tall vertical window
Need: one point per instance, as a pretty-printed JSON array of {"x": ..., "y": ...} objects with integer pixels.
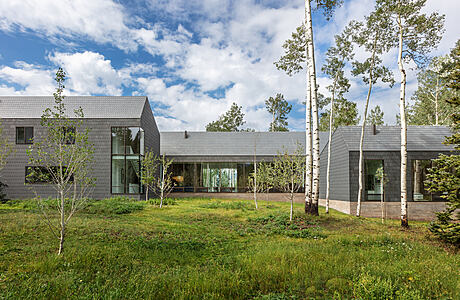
[
  {"x": 420, "y": 192},
  {"x": 24, "y": 135},
  {"x": 127, "y": 152},
  {"x": 373, "y": 184}
]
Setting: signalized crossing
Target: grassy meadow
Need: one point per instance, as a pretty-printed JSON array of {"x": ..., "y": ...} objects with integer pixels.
[{"x": 219, "y": 249}]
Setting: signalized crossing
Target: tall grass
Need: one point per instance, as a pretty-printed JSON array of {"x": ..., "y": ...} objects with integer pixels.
[{"x": 197, "y": 250}]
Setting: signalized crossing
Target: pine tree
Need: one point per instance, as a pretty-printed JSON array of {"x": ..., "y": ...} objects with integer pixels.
[
  {"x": 232, "y": 120},
  {"x": 279, "y": 109},
  {"x": 376, "y": 116}
]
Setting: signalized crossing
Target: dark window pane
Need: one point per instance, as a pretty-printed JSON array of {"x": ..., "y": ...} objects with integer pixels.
[
  {"x": 29, "y": 135},
  {"x": 118, "y": 174},
  {"x": 133, "y": 137},
  {"x": 177, "y": 174},
  {"x": 133, "y": 180},
  {"x": 20, "y": 135},
  {"x": 118, "y": 140},
  {"x": 69, "y": 135},
  {"x": 373, "y": 184}
]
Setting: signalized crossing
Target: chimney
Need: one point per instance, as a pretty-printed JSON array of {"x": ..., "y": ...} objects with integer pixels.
[
  {"x": 186, "y": 135},
  {"x": 374, "y": 129}
]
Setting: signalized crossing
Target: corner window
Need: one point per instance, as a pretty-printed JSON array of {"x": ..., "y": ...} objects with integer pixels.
[
  {"x": 127, "y": 152},
  {"x": 24, "y": 135}
]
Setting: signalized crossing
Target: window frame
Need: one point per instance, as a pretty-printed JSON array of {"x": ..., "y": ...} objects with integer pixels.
[
  {"x": 366, "y": 198},
  {"x": 124, "y": 154},
  {"x": 25, "y": 141}
]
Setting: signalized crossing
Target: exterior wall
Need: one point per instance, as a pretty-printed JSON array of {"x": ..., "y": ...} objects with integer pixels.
[
  {"x": 151, "y": 133},
  {"x": 278, "y": 197},
  {"x": 223, "y": 159},
  {"x": 100, "y": 135},
  {"x": 339, "y": 176},
  {"x": 391, "y": 163}
]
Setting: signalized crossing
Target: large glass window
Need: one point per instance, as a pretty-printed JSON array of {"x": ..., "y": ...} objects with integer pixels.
[
  {"x": 127, "y": 151},
  {"x": 419, "y": 175},
  {"x": 373, "y": 184}
]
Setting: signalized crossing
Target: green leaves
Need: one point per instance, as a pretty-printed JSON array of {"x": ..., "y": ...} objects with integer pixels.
[
  {"x": 232, "y": 120},
  {"x": 278, "y": 108}
]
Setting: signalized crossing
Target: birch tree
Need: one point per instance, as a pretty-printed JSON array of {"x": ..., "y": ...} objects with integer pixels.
[
  {"x": 164, "y": 183},
  {"x": 63, "y": 158},
  {"x": 288, "y": 170},
  {"x": 149, "y": 172},
  {"x": 336, "y": 58},
  {"x": 299, "y": 51},
  {"x": 375, "y": 37},
  {"x": 417, "y": 34},
  {"x": 430, "y": 99}
]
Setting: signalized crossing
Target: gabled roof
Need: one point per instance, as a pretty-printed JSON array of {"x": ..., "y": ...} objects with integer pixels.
[
  {"x": 201, "y": 143},
  {"x": 94, "y": 107},
  {"x": 388, "y": 138}
]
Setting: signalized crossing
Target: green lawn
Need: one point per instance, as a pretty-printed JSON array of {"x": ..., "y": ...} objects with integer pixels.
[{"x": 212, "y": 249}]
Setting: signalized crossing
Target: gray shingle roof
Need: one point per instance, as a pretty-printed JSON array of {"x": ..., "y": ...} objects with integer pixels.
[
  {"x": 388, "y": 138},
  {"x": 105, "y": 107},
  {"x": 232, "y": 143}
]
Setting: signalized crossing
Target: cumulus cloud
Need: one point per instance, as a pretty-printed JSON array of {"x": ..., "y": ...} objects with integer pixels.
[{"x": 212, "y": 53}]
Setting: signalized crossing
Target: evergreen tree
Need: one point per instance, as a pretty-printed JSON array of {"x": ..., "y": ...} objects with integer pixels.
[
  {"x": 279, "y": 109},
  {"x": 444, "y": 177},
  {"x": 232, "y": 120},
  {"x": 346, "y": 114},
  {"x": 376, "y": 116}
]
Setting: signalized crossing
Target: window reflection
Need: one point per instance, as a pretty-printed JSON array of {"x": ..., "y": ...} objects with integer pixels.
[{"x": 373, "y": 184}]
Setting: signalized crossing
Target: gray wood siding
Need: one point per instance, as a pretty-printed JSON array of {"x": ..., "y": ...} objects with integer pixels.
[
  {"x": 339, "y": 178},
  {"x": 14, "y": 172},
  {"x": 391, "y": 162}
]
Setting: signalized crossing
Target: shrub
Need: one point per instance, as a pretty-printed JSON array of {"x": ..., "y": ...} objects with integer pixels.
[
  {"x": 3, "y": 186},
  {"x": 118, "y": 205},
  {"x": 166, "y": 201}
]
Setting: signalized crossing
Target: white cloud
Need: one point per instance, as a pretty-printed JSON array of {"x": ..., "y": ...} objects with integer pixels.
[
  {"x": 207, "y": 46},
  {"x": 27, "y": 79},
  {"x": 89, "y": 73},
  {"x": 102, "y": 21}
]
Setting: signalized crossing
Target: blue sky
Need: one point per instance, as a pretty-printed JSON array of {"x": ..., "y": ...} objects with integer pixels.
[{"x": 191, "y": 58}]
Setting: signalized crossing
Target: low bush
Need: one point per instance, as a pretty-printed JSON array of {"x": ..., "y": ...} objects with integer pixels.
[
  {"x": 234, "y": 205},
  {"x": 166, "y": 201},
  {"x": 119, "y": 205},
  {"x": 300, "y": 227}
]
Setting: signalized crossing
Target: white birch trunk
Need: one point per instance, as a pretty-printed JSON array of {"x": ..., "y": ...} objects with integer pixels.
[
  {"x": 162, "y": 185},
  {"x": 382, "y": 200},
  {"x": 331, "y": 123},
  {"x": 314, "y": 104},
  {"x": 436, "y": 100},
  {"x": 402, "y": 112},
  {"x": 292, "y": 198},
  {"x": 363, "y": 127},
  {"x": 308, "y": 148},
  {"x": 62, "y": 233},
  {"x": 255, "y": 178}
]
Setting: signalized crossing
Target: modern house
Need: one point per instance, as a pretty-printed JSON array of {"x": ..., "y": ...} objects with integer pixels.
[
  {"x": 382, "y": 146},
  {"x": 205, "y": 163},
  {"x": 121, "y": 129}
]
